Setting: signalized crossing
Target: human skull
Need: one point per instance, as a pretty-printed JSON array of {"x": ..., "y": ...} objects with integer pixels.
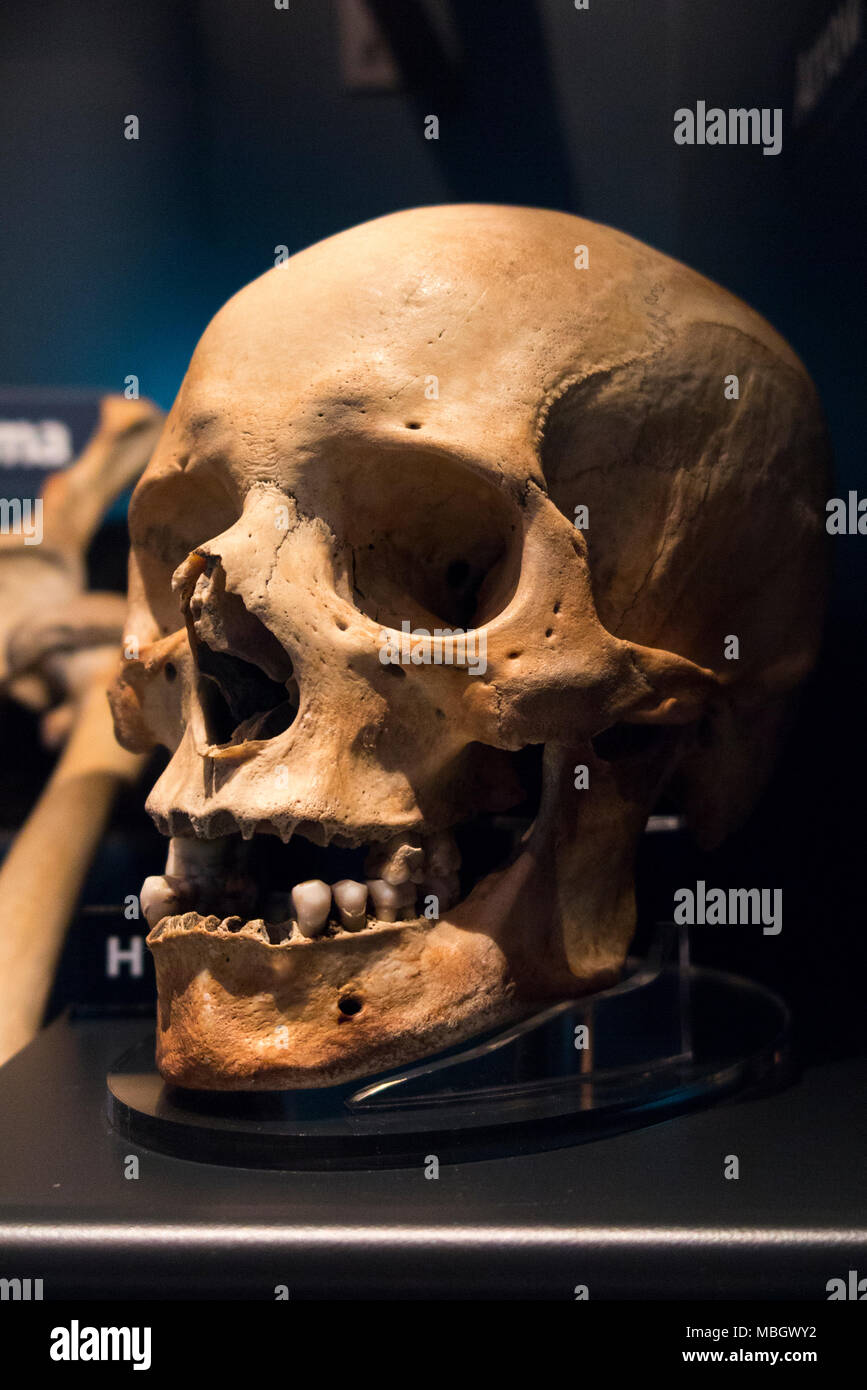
[{"x": 397, "y": 431}]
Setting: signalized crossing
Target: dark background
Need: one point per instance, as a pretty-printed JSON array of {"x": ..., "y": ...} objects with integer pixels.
[{"x": 116, "y": 253}]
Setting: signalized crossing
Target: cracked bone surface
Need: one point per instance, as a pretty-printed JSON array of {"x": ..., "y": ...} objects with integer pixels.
[{"x": 315, "y": 508}]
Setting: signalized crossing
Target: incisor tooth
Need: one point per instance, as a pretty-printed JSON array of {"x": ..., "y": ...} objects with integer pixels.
[
  {"x": 190, "y": 858},
  {"x": 390, "y": 898},
  {"x": 312, "y": 904},
  {"x": 351, "y": 900}
]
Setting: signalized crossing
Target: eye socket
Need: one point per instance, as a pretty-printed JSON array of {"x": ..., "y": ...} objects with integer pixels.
[
  {"x": 170, "y": 515},
  {"x": 430, "y": 542}
]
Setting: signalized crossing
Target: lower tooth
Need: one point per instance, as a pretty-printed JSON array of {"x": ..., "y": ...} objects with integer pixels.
[
  {"x": 389, "y": 899},
  {"x": 159, "y": 898},
  {"x": 312, "y": 904},
  {"x": 351, "y": 901}
]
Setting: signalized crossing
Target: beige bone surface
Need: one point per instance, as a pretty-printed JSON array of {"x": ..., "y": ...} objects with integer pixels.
[
  {"x": 43, "y": 872},
  {"x": 57, "y": 652}
]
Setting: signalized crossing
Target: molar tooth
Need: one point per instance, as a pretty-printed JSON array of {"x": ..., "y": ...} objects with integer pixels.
[
  {"x": 351, "y": 900},
  {"x": 389, "y": 898},
  {"x": 159, "y": 898},
  {"x": 312, "y": 904}
]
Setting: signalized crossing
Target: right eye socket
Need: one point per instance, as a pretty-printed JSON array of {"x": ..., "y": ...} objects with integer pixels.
[{"x": 170, "y": 516}]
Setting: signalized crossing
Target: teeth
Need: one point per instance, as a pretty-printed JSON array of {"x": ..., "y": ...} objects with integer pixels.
[
  {"x": 312, "y": 904},
  {"x": 351, "y": 900},
  {"x": 196, "y": 859},
  {"x": 399, "y": 860},
  {"x": 390, "y": 899},
  {"x": 442, "y": 856},
  {"x": 160, "y": 899}
]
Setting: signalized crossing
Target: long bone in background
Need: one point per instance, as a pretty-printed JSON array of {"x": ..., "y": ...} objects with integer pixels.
[{"x": 58, "y": 651}]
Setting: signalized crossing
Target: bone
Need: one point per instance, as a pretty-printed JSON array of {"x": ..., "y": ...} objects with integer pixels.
[
  {"x": 390, "y": 899},
  {"x": 159, "y": 898},
  {"x": 351, "y": 900},
  {"x": 441, "y": 855},
  {"x": 399, "y": 860},
  {"x": 256, "y": 929},
  {"x": 312, "y": 904}
]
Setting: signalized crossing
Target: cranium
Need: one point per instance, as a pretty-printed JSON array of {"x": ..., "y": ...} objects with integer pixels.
[{"x": 399, "y": 428}]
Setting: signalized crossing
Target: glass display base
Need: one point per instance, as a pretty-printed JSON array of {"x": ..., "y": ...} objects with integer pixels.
[{"x": 668, "y": 1037}]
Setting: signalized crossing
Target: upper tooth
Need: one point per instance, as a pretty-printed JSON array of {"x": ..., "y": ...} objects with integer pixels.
[
  {"x": 312, "y": 904},
  {"x": 159, "y": 899},
  {"x": 351, "y": 900},
  {"x": 400, "y": 860},
  {"x": 390, "y": 898},
  {"x": 442, "y": 856},
  {"x": 190, "y": 858}
]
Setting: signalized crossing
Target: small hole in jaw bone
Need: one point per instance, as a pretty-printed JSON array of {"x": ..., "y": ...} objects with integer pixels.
[
  {"x": 170, "y": 671},
  {"x": 350, "y": 1004}
]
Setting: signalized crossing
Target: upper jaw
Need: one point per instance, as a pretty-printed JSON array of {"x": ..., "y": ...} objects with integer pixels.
[{"x": 288, "y": 897}]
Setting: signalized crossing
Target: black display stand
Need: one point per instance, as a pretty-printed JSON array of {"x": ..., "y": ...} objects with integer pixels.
[{"x": 639, "y": 1215}]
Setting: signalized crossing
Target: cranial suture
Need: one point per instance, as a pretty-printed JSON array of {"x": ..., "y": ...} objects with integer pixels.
[{"x": 370, "y": 861}]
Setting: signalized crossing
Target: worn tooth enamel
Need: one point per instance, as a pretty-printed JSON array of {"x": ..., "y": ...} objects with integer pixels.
[
  {"x": 159, "y": 899},
  {"x": 351, "y": 900},
  {"x": 390, "y": 899},
  {"x": 442, "y": 856},
  {"x": 312, "y": 904}
]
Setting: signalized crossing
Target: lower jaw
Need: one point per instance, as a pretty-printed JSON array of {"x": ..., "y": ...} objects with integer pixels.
[
  {"x": 239, "y": 1012},
  {"x": 236, "y": 1013}
]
